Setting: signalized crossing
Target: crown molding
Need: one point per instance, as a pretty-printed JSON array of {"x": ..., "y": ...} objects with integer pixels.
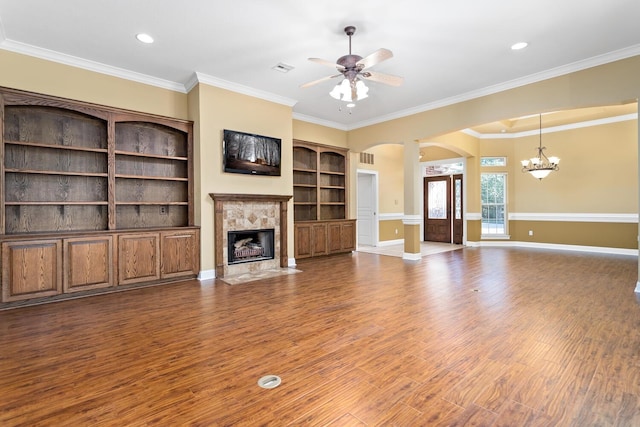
[
  {"x": 34, "y": 51},
  {"x": 321, "y": 122},
  {"x": 562, "y": 70},
  {"x": 245, "y": 90},
  {"x": 552, "y": 129},
  {"x": 88, "y": 65}
]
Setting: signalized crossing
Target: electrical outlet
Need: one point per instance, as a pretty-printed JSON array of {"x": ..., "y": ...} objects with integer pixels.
[
  {"x": 396, "y": 231},
  {"x": 530, "y": 232},
  {"x": 164, "y": 210}
]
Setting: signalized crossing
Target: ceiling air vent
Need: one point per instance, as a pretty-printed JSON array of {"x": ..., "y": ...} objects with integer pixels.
[{"x": 282, "y": 67}]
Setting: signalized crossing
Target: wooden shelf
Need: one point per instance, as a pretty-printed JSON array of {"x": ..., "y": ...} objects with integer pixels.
[
  {"x": 89, "y": 193},
  {"x": 152, "y": 203},
  {"x": 42, "y": 172},
  {"x": 152, "y": 156},
  {"x": 320, "y": 194},
  {"x": 159, "y": 178},
  {"x": 43, "y": 203},
  {"x": 319, "y": 179},
  {"x": 58, "y": 147}
]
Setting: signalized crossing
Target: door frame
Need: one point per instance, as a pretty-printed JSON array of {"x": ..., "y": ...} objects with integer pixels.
[
  {"x": 420, "y": 181},
  {"x": 373, "y": 175}
]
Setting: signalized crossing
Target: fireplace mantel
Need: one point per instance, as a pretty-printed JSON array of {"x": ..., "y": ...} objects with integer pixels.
[
  {"x": 220, "y": 199},
  {"x": 229, "y": 197}
]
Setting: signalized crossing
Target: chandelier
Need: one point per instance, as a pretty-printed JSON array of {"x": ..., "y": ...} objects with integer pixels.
[
  {"x": 540, "y": 166},
  {"x": 349, "y": 89}
]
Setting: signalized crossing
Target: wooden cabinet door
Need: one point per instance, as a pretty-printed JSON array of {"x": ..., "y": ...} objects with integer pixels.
[
  {"x": 138, "y": 258},
  {"x": 319, "y": 239},
  {"x": 88, "y": 263},
  {"x": 31, "y": 269},
  {"x": 348, "y": 236},
  {"x": 335, "y": 237},
  {"x": 180, "y": 256},
  {"x": 303, "y": 242}
]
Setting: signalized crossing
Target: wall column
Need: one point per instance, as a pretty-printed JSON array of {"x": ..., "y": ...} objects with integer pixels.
[{"x": 412, "y": 189}]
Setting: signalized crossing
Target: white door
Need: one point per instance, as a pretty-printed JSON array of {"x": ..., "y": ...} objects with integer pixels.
[{"x": 367, "y": 223}]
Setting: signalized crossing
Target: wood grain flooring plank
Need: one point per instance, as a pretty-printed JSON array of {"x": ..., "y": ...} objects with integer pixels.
[
  {"x": 514, "y": 414},
  {"x": 358, "y": 339}
]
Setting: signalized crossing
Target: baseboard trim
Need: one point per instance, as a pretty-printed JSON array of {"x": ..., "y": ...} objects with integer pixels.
[
  {"x": 592, "y": 249},
  {"x": 411, "y": 256},
  {"x": 207, "y": 275},
  {"x": 291, "y": 262}
]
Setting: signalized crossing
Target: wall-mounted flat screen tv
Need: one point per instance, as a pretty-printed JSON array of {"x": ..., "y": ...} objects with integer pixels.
[{"x": 250, "y": 153}]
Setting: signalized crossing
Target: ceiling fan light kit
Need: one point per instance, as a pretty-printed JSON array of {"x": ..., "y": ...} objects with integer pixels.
[
  {"x": 344, "y": 91},
  {"x": 352, "y": 67}
]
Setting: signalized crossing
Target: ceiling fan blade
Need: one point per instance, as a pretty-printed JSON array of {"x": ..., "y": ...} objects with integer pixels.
[
  {"x": 375, "y": 58},
  {"x": 387, "y": 79},
  {"x": 320, "y": 80},
  {"x": 327, "y": 63}
]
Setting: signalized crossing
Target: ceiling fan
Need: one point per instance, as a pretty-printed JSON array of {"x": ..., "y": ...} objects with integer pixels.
[{"x": 354, "y": 68}]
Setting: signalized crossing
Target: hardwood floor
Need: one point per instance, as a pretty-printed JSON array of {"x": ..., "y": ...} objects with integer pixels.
[{"x": 476, "y": 336}]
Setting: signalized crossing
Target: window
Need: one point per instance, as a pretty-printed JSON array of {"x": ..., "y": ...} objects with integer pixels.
[
  {"x": 493, "y": 187},
  {"x": 493, "y": 161},
  {"x": 437, "y": 192}
]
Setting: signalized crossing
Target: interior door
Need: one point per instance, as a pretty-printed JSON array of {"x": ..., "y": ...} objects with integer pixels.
[
  {"x": 458, "y": 225},
  {"x": 437, "y": 208},
  {"x": 366, "y": 209}
]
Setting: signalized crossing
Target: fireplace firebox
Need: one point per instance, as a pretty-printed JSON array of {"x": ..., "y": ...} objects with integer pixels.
[{"x": 250, "y": 245}]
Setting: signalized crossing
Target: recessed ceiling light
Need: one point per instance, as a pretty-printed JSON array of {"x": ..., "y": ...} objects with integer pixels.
[
  {"x": 520, "y": 45},
  {"x": 144, "y": 38},
  {"x": 351, "y": 105}
]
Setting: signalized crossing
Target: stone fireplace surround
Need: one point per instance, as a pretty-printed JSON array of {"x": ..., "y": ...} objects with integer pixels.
[{"x": 249, "y": 212}]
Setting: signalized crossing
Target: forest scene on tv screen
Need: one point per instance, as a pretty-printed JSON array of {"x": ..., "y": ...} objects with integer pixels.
[{"x": 251, "y": 154}]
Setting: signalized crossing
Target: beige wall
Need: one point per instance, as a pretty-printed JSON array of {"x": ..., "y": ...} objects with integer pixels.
[
  {"x": 599, "y": 234},
  {"x": 392, "y": 229},
  {"x": 598, "y": 171},
  {"x": 50, "y": 78},
  {"x": 576, "y": 189},
  {"x": 608, "y": 84},
  {"x": 388, "y": 163},
  {"x": 434, "y": 153},
  {"x": 598, "y": 175},
  {"x": 220, "y": 109},
  {"x": 311, "y": 132}
]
